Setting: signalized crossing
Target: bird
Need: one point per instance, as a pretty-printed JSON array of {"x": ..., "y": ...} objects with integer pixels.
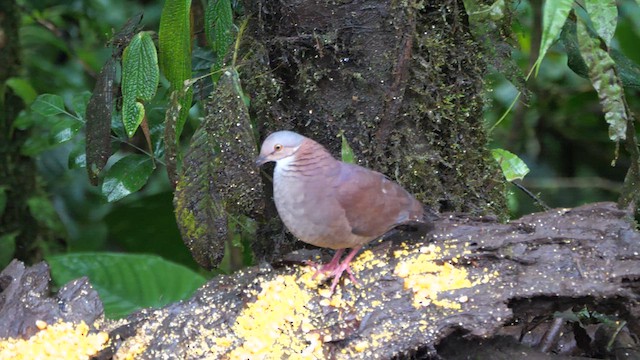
[{"x": 332, "y": 204}]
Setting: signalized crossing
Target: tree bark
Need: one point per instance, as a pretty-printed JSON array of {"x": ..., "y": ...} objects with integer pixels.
[{"x": 401, "y": 80}]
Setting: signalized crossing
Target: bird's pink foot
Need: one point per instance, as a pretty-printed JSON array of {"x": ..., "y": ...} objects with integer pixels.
[{"x": 336, "y": 268}]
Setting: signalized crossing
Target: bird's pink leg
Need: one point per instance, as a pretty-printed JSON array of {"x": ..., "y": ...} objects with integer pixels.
[
  {"x": 330, "y": 266},
  {"x": 342, "y": 267}
]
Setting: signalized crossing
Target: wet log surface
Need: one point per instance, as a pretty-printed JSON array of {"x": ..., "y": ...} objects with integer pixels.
[{"x": 469, "y": 278}]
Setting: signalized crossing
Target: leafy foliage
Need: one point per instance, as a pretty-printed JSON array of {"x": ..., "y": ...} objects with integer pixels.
[
  {"x": 512, "y": 166},
  {"x": 140, "y": 76},
  {"x": 127, "y": 282},
  {"x": 216, "y": 190},
  {"x": 174, "y": 41}
]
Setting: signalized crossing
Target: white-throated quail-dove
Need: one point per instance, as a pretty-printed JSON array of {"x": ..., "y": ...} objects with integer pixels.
[{"x": 332, "y": 204}]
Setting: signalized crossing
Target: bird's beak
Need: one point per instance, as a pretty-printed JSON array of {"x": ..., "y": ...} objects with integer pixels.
[{"x": 261, "y": 160}]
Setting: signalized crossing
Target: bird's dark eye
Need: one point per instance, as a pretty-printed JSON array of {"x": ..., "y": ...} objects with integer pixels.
[{"x": 277, "y": 147}]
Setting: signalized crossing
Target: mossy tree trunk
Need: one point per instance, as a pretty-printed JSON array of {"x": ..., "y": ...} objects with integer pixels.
[{"x": 402, "y": 79}]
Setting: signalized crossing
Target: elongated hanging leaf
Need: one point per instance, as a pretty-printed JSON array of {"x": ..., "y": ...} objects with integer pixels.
[
  {"x": 627, "y": 69},
  {"x": 48, "y": 105},
  {"x": 218, "y": 26},
  {"x": 126, "y": 176},
  {"x": 174, "y": 42},
  {"x": 98, "y": 121},
  {"x": 513, "y": 168},
  {"x": 604, "y": 78},
  {"x": 127, "y": 282},
  {"x": 219, "y": 178},
  {"x": 554, "y": 16},
  {"x": 604, "y": 17},
  {"x": 140, "y": 77}
]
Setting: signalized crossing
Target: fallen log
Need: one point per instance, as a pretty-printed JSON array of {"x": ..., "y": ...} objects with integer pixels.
[{"x": 468, "y": 278}]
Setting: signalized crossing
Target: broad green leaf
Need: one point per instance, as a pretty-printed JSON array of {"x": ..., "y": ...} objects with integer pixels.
[
  {"x": 140, "y": 77},
  {"x": 127, "y": 282},
  {"x": 604, "y": 78},
  {"x": 346, "y": 150},
  {"x": 79, "y": 103},
  {"x": 48, "y": 105},
  {"x": 126, "y": 176},
  {"x": 604, "y": 16},
  {"x": 99, "y": 119},
  {"x": 140, "y": 72},
  {"x": 64, "y": 130},
  {"x": 513, "y": 168},
  {"x": 219, "y": 23},
  {"x": 554, "y": 16},
  {"x": 174, "y": 42},
  {"x": 132, "y": 115},
  {"x": 23, "y": 89}
]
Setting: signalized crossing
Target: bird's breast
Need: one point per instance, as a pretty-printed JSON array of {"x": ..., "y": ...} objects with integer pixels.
[{"x": 308, "y": 207}]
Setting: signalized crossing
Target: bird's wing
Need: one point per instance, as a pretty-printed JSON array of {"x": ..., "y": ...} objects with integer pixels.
[{"x": 373, "y": 204}]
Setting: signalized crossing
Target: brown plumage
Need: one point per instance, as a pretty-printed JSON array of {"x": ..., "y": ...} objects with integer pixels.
[{"x": 332, "y": 204}]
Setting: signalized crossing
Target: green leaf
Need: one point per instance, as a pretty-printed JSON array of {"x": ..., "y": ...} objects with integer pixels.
[
  {"x": 127, "y": 282},
  {"x": 132, "y": 116},
  {"x": 140, "y": 77},
  {"x": 346, "y": 150},
  {"x": 604, "y": 16},
  {"x": 627, "y": 69},
  {"x": 126, "y": 176},
  {"x": 553, "y": 18},
  {"x": 79, "y": 103},
  {"x": 604, "y": 78},
  {"x": 174, "y": 42},
  {"x": 48, "y": 105},
  {"x": 64, "y": 130},
  {"x": 23, "y": 89},
  {"x": 513, "y": 168},
  {"x": 219, "y": 23}
]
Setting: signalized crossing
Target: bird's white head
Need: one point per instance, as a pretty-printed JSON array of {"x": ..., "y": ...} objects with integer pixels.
[{"x": 279, "y": 145}]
